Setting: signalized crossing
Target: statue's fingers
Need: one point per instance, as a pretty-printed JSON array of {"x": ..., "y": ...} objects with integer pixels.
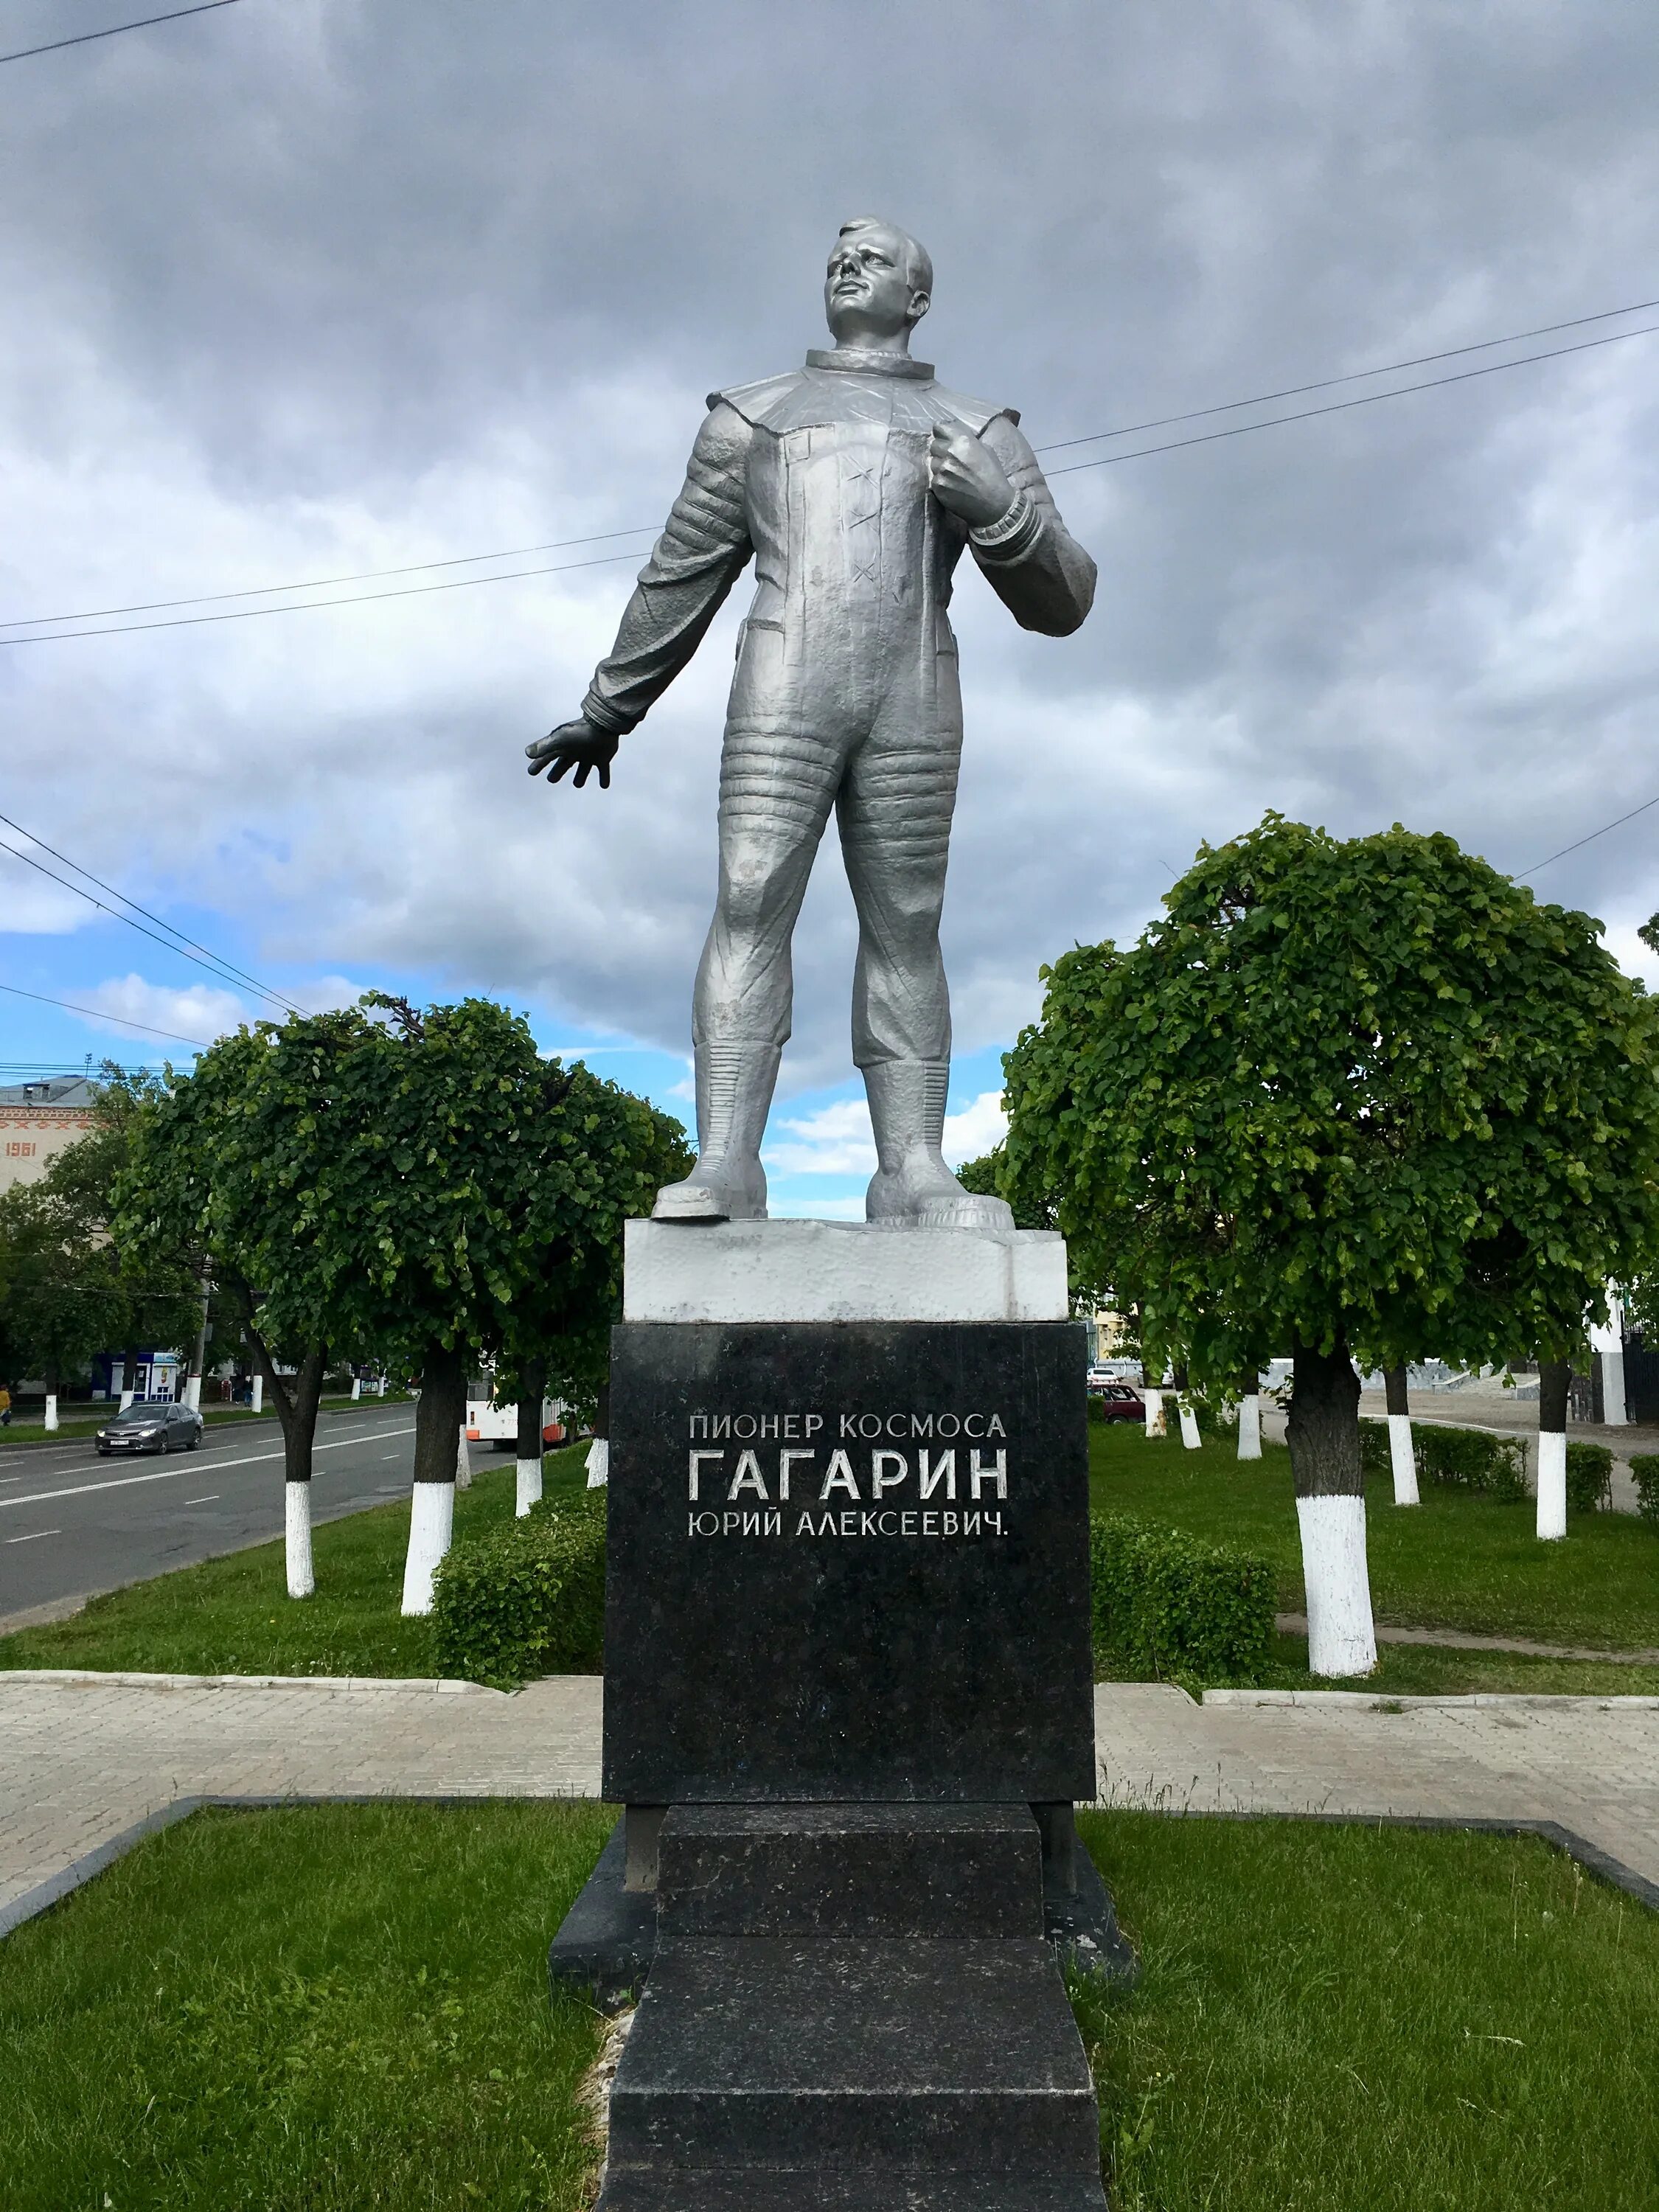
[
  {"x": 561, "y": 766},
  {"x": 605, "y": 775},
  {"x": 584, "y": 770}
]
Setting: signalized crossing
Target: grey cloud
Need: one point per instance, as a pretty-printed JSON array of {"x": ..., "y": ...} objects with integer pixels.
[{"x": 477, "y": 268}]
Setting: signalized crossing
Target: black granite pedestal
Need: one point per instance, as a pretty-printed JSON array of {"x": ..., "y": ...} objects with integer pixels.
[{"x": 848, "y": 1706}]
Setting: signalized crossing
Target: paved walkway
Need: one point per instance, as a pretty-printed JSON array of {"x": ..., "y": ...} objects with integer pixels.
[
  {"x": 1464, "y": 1639},
  {"x": 83, "y": 1760}
]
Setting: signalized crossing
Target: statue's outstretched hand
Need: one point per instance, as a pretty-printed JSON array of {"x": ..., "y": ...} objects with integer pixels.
[
  {"x": 575, "y": 745},
  {"x": 967, "y": 477}
]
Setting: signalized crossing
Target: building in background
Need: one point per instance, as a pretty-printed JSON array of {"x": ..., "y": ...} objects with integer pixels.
[{"x": 39, "y": 1121}]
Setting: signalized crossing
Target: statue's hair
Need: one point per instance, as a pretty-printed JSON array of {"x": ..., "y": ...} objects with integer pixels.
[{"x": 918, "y": 262}]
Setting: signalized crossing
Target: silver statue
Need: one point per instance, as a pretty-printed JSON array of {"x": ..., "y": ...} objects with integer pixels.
[{"x": 856, "y": 483}]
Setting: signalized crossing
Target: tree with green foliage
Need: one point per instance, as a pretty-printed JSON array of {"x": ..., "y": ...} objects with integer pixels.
[
  {"x": 1361, "y": 1096},
  {"x": 592, "y": 1156},
  {"x": 68, "y": 1287}
]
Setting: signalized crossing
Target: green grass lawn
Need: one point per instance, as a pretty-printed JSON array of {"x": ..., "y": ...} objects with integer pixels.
[
  {"x": 233, "y": 1616},
  {"x": 1456, "y": 1561},
  {"x": 1364, "y": 2020},
  {"x": 346, "y": 2007},
  {"x": 325, "y": 2007}
]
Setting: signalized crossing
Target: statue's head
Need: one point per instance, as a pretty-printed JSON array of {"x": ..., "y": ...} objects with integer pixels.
[{"x": 878, "y": 284}]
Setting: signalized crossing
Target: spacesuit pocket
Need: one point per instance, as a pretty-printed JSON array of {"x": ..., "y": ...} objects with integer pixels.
[{"x": 759, "y": 684}]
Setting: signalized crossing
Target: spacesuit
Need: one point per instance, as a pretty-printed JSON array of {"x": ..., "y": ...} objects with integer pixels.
[{"x": 845, "y": 694}]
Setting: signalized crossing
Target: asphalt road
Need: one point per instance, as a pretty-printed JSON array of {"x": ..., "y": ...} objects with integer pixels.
[{"x": 72, "y": 1524}]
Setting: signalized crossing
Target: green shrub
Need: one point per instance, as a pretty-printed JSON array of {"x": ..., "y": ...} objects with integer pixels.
[
  {"x": 1096, "y": 1406},
  {"x": 1469, "y": 1459},
  {"x": 1645, "y": 1468},
  {"x": 1375, "y": 1456},
  {"x": 1590, "y": 1478},
  {"x": 1172, "y": 1604},
  {"x": 524, "y": 1600}
]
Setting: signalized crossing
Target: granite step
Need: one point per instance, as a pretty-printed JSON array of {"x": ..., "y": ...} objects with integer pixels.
[
  {"x": 761, "y": 2052},
  {"x": 869, "y": 2189},
  {"x": 967, "y": 1871}
]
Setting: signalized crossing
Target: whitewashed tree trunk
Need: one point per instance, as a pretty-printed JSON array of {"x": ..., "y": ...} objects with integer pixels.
[
  {"x": 301, "y": 1581},
  {"x": 1155, "y": 1425},
  {"x": 356, "y": 1388},
  {"x": 380, "y": 1390},
  {"x": 1402, "y": 1460},
  {"x": 193, "y": 1393},
  {"x": 1341, "y": 1637},
  {"x": 1189, "y": 1435},
  {"x": 258, "y": 1398},
  {"x": 463, "y": 1461},
  {"x": 431, "y": 1524},
  {"x": 127, "y": 1397},
  {"x": 529, "y": 1486},
  {"x": 599, "y": 1464},
  {"x": 1249, "y": 1425},
  {"x": 1330, "y": 1510},
  {"x": 1552, "y": 1483},
  {"x": 1554, "y": 1381},
  {"x": 52, "y": 1411}
]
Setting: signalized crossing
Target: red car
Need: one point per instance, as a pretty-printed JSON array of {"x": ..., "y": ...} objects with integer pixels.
[{"x": 1119, "y": 1401}]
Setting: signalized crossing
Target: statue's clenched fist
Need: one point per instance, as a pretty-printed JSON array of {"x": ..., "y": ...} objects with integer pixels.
[
  {"x": 575, "y": 745},
  {"x": 967, "y": 477}
]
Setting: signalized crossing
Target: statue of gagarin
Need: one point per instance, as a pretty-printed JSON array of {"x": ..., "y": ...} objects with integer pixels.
[{"x": 856, "y": 483}]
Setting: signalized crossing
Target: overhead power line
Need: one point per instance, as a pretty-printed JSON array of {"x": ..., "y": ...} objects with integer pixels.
[
  {"x": 1365, "y": 399},
  {"x": 1353, "y": 376},
  {"x": 307, "y": 606},
  {"x": 1618, "y": 821},
  {"x": 85, "y": 38},
  {"x": 167, "y": 944},
  {"x": 48, "y": 622},
  {"x": 225, "y": 970},
  {"x": 322, "y": 583},
  {"x": 96, "y": 1014}
]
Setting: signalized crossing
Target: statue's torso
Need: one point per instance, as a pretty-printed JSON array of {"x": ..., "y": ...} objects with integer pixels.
[{"x": 853, "y": 555}]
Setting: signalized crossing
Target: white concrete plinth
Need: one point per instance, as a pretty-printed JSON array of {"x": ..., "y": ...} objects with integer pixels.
[{"x": 819, "y": 1270}]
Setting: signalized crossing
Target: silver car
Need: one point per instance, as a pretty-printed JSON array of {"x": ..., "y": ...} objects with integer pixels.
[{"x": 151, "y": 1429}]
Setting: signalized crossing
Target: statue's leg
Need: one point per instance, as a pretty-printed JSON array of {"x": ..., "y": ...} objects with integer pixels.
[
  {"x": 895, "y": 811},
  {"x": 776, "y": 794}
]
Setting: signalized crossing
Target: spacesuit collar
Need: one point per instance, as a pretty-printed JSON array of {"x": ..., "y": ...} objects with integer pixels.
[{"x": 870, "y": 364}]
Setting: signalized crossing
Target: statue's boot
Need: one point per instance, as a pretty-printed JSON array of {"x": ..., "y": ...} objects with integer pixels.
[
  {"x": 912, "y": 1186},
  {"x": 734, "y": 1095}
]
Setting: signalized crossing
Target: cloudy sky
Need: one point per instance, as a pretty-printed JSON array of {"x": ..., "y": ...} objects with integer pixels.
[{"x": 302, "y": 289}]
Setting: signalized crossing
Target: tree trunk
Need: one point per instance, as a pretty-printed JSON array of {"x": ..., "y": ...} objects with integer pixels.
[
  {"x": 130, "y": 1377},
  {"x": 1330, "y": 1507},
  {"x": 533, "y": 1390},
  {"x": 51, "y": 1419},
  {"x": 598, "y": 1452},
  {"x": 439, "y": 1415},
  {"x": 296, "y": 1405},
  {"x": 1554, "y": 1379},
  {"x": 1402, "y": 1458},
  {"x": 193, "y": 1380},
  {"x": 1250, "y": 1419},
  {"x": 1155, "y": 1425}
]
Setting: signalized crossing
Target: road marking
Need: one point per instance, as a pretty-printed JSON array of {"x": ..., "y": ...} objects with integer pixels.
[
  {"x": 384, "y": 1457},
  {"x": 212, "y": 1498},
  {"x": 35, "y": 1536},
  {"x": 171, "y": 1474}
]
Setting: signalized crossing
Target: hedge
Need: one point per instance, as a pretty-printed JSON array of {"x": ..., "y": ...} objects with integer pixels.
[
  {"x": 1172, "y": 1604},
  {"x": 1376, "y": 1454},
  {"x": 1469, "y": 1459},
  {"x": 1645, "y": 1468},
  {"x": 525, "y": 1600},
  {"x": 1590, "y": 1478}
]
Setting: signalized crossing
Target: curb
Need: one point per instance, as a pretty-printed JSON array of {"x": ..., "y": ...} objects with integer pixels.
[
  {"x": 82, "y": 1678},
  {"x": 1381, "y": 1701}
]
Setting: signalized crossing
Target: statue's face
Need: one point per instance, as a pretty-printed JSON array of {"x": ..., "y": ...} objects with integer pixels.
[{"x": 867, "y": 294}]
